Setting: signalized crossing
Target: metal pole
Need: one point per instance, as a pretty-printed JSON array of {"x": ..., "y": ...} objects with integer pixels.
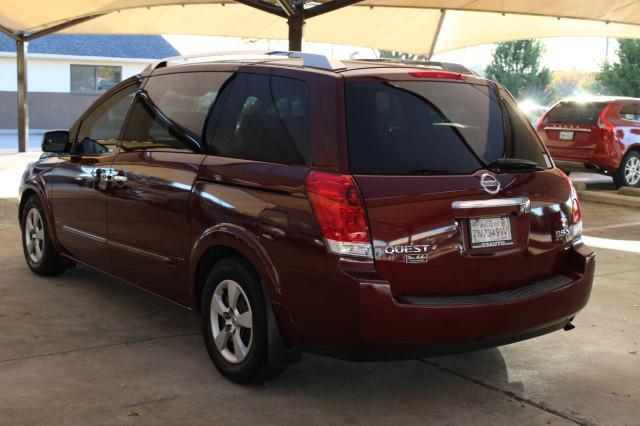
[
  {"x": 436, "y": 35},
  {"x": 296, "y": 25},
  {"x": 23, "y": 108}
]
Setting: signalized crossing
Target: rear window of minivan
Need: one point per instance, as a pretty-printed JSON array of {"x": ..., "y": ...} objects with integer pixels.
[
  {"x": 434, "y": 127},
  {"x": 576, "y": 112}
]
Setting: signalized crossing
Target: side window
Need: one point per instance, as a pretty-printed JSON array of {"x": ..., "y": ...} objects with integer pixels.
[
  {"x": 264, "y": 119},
  {"x": 630, "y": 112},
  {"x": 186, "y": 98},
  {"x": 100, "y": 130},
  {"x": 147, "y": 129}
]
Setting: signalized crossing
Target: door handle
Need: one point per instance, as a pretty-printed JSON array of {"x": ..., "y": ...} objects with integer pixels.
[
  {"x": 120, "y": 179},
  {"x": 100, "y": 174}
]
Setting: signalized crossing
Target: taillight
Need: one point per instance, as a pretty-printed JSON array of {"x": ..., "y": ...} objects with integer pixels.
[
  {"x": 605, "y": 124},
  {"x": 576, "y": 214},
  {"x": 540, "y": 122},
  {"x": 339, "y": 209},
  {"x": 448, "y": 75}
]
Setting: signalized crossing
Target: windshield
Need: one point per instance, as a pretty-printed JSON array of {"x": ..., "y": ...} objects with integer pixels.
[{"x": 420, "y": 127}]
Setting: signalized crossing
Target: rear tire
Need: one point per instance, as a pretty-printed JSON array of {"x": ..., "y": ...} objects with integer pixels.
[
  {"x": 234, "y": 322},
  {"x": 628, "y": 174},
  {"x": 37, "y": 245}
]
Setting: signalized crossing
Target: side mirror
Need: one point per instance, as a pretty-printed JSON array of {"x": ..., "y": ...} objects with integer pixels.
[{"x": 55, "y": 141}]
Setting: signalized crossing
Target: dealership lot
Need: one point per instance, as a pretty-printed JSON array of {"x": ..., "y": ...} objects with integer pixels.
[{"x": 83, "y": 348}]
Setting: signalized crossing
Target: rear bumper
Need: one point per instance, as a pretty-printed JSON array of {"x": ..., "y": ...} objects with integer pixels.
[
  {"x": 572, "y": 166},
  {"x": 591, "y": 158},
  {"x": 389, "y": 328}
]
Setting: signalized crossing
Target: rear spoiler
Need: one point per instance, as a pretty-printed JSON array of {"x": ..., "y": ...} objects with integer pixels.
[{"x": 442, "y": 66}]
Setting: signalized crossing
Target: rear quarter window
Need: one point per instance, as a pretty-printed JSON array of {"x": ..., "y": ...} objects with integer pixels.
[
  {"x": 264, "y": 119},
  {"x": 630, "y": 112}
]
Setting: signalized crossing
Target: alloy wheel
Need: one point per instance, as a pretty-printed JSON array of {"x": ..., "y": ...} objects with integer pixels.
[
  {"x": 632, "y": 171},
  {"x": 34, "y": 235},
  {"x": 231, "y": 321}
]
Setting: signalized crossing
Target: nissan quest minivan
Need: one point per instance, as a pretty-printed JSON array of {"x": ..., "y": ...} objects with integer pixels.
[{"x": 362, "y": 210}]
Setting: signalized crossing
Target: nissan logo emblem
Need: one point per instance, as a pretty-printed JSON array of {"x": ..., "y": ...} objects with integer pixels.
[{"x": 489, "y": 183}]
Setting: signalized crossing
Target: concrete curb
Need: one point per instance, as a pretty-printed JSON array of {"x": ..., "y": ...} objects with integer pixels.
[
  {"x": 628, "y": 191},
  {"x": 609, "y": 198}
]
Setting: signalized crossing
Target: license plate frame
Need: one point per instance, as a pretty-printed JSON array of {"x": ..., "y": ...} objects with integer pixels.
[
  {"x": 491, "y": 232},
  {"x": 566, "y": 135}
]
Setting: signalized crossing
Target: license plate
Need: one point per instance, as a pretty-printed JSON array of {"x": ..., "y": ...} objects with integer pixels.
[
  {"x": 488, "y": 232},
  {"x": 566, "y": 136}
]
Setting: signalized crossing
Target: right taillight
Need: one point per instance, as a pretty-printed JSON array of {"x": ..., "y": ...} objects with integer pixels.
[{"x": 340, "y": 212}]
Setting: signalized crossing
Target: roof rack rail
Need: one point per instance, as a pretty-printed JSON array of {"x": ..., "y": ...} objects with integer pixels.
[
  {"x": 311, "y": 60},
  {"x": 445, "y": 66}
]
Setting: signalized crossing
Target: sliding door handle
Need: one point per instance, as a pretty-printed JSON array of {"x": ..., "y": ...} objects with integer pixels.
[
  {"x": 120, "y": 179},
  {"x": 100, "y": 174}
]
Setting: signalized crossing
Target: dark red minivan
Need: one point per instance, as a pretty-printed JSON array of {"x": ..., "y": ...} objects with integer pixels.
[
  {"x": 600, "y": 134},
  {"x": 362, "y": 210}
]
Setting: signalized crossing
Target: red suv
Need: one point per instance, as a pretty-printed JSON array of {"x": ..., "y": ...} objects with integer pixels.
[
  {"x": 600, "y": 134},
  {"x": 361, "y": 210}
]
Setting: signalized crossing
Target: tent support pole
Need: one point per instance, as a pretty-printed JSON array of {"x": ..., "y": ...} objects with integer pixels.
[
  {"x": 61, "y": 26},
  {"x": 23, "y": 108},
  {"x": 22, "y": 41},
  {"x": 436, "y": 35},
  {"x": 296, "y": 14},
  {"x": 8, "y": 32},
  {"x": 296, "y": 27}
]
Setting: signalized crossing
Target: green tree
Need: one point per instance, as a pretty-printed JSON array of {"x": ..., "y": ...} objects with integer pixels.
[
  {"x": 516, "y": 65},
  {"x": 622, "y": 78}
]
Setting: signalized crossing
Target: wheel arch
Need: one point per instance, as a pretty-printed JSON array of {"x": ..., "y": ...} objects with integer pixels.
[
  {"x": 33, "y": 190},
  {"x": 618, "y": 176},
  {"x": 224, "y": 241},
  {"x": 633, "y": 148},
  {"x": 26, "y": 194}
]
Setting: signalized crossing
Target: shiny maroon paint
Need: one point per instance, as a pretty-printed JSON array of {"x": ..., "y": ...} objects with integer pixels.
[
  {"x": 594, "y": 145},
  {"x": 178, "y": 213}
]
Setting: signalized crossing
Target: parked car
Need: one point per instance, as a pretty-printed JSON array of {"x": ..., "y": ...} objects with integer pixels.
[
  {"x": 600, "y": 134},
  {"x": 362, "y": 210}
]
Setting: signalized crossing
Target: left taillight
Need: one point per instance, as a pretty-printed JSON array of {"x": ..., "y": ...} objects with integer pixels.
[
  {"x": 340, "y": 212},
  {"x": 576, "y": 214}
]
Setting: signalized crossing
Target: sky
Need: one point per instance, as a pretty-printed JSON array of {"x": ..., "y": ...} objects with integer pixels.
[{"x": 561, "y": 54}]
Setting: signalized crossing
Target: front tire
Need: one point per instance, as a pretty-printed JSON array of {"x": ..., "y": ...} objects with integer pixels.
[
  {"x": 628, "y": 174},
  {"x": 234, "y": 322},
  {"x": 37, "y": 245}
]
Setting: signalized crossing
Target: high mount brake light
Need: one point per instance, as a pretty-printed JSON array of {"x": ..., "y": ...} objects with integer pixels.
[
  {"x": 438, "y": 74},
  {"x": 339, "y": 209}
]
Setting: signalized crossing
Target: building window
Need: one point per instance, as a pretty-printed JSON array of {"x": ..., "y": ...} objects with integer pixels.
[{"x": 94, "y": 78}]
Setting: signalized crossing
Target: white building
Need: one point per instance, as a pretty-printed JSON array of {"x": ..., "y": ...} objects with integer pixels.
[{"x": 68, "y": 72}]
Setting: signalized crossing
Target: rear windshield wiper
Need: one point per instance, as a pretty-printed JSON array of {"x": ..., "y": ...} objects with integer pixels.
[{"x": 514, "y": 165}]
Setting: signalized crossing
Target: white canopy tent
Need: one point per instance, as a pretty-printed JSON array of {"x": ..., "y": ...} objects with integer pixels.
[{"x": 416, "y": 26}]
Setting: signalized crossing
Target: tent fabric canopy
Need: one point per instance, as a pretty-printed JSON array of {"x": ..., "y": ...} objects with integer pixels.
[{"x": 399, "y": 25}]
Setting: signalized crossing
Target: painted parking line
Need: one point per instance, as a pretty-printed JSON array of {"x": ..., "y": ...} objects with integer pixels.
[
  {"x": 630, "y": 246},
  {"x": 614, "y": 226}
]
